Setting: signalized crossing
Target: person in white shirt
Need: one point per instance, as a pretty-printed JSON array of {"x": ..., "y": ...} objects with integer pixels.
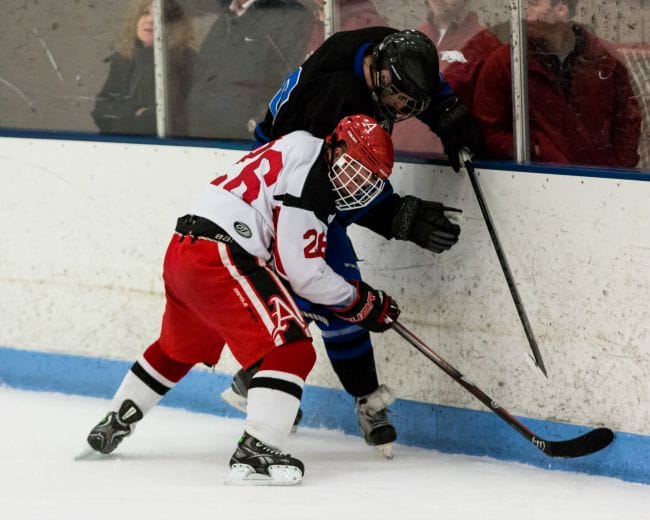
[{"x": 254, "y": 237}]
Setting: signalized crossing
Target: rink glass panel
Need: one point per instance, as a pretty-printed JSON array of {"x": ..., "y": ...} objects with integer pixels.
[
  {"x": 57, "y": 58},
  {"x": 622, "y": 30}
]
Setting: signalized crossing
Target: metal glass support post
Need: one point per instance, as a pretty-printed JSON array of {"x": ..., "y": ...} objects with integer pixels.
[
  {"x": 330, "y": 10},
  {"x": 519, "y": 64},
  {"x": 160, "y": 67}
]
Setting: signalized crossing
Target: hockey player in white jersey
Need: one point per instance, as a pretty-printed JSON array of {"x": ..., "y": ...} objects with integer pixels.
[{"x": 255, "y": 236}]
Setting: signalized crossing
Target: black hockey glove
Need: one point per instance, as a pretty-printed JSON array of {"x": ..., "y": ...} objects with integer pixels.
[
  {"x": 370, "y": 308},
  {"x": 456, "y": 128},
  {"x": 424, "y": 223}
]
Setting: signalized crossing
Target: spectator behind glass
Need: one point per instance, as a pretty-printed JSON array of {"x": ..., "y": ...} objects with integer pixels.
[
  {"x": 247, "y": 53},
  {"x": 581, "y": 106},
  {"x": 450, "y": 26},
  {"x": 352, "y": 14},
  {"x": 127, "y": 101}
]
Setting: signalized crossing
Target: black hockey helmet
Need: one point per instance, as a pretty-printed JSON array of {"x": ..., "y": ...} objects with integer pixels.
[{"x": 411, "y": 59}]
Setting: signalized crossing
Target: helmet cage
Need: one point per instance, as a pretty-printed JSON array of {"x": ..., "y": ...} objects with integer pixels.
[
  {"x": 409, "y": 106},
  {"x": 355, "y": 186}
]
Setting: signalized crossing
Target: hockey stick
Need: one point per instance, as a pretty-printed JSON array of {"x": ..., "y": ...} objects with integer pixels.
[
  {"x": 537, "y": 356},
  {"x": 586, "y": 444}
]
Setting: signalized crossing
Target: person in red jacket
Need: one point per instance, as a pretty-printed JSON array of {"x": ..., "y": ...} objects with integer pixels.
[
  {"x": 451, "y": 26},
  {"x": 582, "y": 109},
  {"x": 349, "y": 15}
]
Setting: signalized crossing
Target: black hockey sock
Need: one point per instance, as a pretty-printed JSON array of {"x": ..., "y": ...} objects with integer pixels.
[{"x": 354, "y": 364}]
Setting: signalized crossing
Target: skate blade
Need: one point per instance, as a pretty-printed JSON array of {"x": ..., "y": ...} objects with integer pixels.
[
  {"x": 386, "y": 450},
  {"x": 244, "y": 475},
  {"x": 233, "y": 399},
  {"x": 90, "y": 454}
]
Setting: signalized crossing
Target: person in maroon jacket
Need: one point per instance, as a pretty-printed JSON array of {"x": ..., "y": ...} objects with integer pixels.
[{"x": 582, "y": 109}]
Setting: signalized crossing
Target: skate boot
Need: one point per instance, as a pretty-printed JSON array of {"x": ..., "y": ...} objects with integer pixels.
[
  {"x": 374, "y": 422},
  {"x": 108, "y": 434},
  {"x": 256, "y": 464},
  {"x": 236, "y": 395}
]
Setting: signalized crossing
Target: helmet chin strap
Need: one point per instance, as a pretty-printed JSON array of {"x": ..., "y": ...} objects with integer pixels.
[
  {"x": 377, "y": 91},
  {"x": 375, "y": 78}
]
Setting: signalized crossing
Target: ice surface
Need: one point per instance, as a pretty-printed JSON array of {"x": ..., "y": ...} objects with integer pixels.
[{"x": 175, "y": 464}]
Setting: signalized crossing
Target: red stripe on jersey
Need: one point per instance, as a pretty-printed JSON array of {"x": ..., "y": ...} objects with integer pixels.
[{"x": 249, "y": 292}]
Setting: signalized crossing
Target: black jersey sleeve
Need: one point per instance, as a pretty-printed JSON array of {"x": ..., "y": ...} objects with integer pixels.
[{"x": 379, "y": 218}]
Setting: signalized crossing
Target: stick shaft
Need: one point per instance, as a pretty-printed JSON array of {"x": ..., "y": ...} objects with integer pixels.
[
  {"x": 456, "y": 375},
  {"x": 503, "y": 261},
  {"x": 586, "y": 444}
]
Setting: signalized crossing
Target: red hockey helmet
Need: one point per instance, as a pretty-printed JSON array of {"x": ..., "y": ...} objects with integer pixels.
[{"x": 358, "y": 175}]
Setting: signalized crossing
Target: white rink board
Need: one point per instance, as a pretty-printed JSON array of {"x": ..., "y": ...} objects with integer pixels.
[{"x": 86, "y": 225}]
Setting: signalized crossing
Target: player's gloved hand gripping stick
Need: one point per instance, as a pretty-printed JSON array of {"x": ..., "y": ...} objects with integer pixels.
[{"x": 372, "y": 309}]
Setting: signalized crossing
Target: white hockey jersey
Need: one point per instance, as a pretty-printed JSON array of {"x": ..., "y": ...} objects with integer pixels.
[{"x": 276, "y": 202}]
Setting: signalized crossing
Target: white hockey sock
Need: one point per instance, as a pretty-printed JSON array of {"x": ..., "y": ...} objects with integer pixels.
[
  {"x": 143, "y": 385},
  {"x": 273, "y": 402}
]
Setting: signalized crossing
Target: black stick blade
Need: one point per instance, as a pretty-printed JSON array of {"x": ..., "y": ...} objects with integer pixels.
[{"x": 586, "y": 444}]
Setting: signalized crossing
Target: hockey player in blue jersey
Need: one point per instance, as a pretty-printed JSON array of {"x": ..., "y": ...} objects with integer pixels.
[{"x": 390, "y": 75}]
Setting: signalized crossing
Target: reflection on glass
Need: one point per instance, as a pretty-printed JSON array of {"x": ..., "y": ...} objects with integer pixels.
[
  {"x": 463, "y": 44},
  {"x": 247, "y": 52},
  {"x": 350, "y": 14},
  {"x": 636, "y": 57},
  {"x": 126, "y": 103},
  {"x": 582, "y": 107},
  {"x": 629, "y": 35},
  {"x": 53, "y": 68},
  {"x": 51, "y": 62}
]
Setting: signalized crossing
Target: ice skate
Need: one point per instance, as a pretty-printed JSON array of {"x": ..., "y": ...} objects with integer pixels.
[
  {"x": 108, "y": 434},
  {"x": 256, "y": 464},
  {"x": 372, "y": 414},
  {"x": 236, "y": 395}
]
